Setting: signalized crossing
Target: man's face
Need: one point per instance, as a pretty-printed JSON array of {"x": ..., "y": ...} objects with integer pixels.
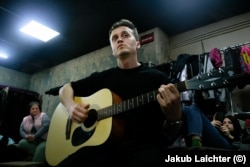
[{"x": 123, "y": 42}]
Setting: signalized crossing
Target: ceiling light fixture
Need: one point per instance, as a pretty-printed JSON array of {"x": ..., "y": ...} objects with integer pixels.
[
  {"x": 39, "y": 31},
  {"x": 3, "y": 55}
]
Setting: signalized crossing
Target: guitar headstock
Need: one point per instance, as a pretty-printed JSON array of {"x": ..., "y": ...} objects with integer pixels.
[{"x": 221, "y": 78}]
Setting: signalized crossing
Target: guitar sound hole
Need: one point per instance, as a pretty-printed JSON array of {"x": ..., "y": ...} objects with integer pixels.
[
  {"x": 79, "y": 136},
  {"x": 92, "y": 117}
]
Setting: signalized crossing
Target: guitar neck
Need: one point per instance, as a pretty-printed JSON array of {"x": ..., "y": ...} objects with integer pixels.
[
  {"x": 133, "y": 102},
  {"x": 220, "y": 78}
]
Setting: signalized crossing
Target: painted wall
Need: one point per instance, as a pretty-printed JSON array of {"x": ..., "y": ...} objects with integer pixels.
[
  {"x": 229, "y": 32},
  {"x": 14, "y": 78}
]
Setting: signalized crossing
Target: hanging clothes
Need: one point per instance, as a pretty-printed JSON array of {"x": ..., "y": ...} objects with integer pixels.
[
  {"x": 186, "y": 67},
  {"x": 231, "y": 56},
  {"x": 245, "y": 59},
  {"x": 218, "y": 94},
  {"x": 216, "y": 57}
]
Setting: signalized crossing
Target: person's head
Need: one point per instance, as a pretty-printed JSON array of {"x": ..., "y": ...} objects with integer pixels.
[
  {"x": 34, "y": 108},
  {"x": 233, "y": 125},
  {"x": 124, "y": 38}
]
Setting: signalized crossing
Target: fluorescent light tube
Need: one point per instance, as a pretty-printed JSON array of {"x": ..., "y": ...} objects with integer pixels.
[{"x": 39, "y": 31}]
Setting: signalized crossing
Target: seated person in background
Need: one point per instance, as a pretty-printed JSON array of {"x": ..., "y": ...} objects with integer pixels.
[
  {"x": 229, "y": 128},
  {"x": 199, "y": 131},
  {"x": 33, "y": 130}
]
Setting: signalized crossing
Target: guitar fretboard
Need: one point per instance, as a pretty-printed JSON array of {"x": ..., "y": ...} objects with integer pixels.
[{"x": 133, "y": 103}]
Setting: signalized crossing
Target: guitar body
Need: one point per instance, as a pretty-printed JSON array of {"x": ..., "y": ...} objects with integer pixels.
[{"x": 58, "y": 147}]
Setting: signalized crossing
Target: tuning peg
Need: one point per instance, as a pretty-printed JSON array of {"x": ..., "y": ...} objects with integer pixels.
[
  {"x": 198, "y": 77},
  {"x": 221, "y": 70},
  {"x": 213, "y": 84},
  {"x": 225, "y": 82},
  {"x": 201, "y": 87},
  {"x": 209, "y": 74}
]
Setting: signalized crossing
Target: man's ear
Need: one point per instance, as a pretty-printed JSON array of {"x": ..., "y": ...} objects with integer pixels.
[{"x": 138, "y": 45}]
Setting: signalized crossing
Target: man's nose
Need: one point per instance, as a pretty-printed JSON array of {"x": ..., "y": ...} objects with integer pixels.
[{"x": 120, "y": 38}]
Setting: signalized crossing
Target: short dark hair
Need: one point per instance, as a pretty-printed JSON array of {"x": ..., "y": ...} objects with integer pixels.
[
  {"x": 34, "y": 103},
  {"x": 126, "y": 23}
]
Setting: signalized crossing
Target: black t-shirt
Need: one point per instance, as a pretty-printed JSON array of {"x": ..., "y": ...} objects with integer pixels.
[{"x": 143, "y": 123}]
